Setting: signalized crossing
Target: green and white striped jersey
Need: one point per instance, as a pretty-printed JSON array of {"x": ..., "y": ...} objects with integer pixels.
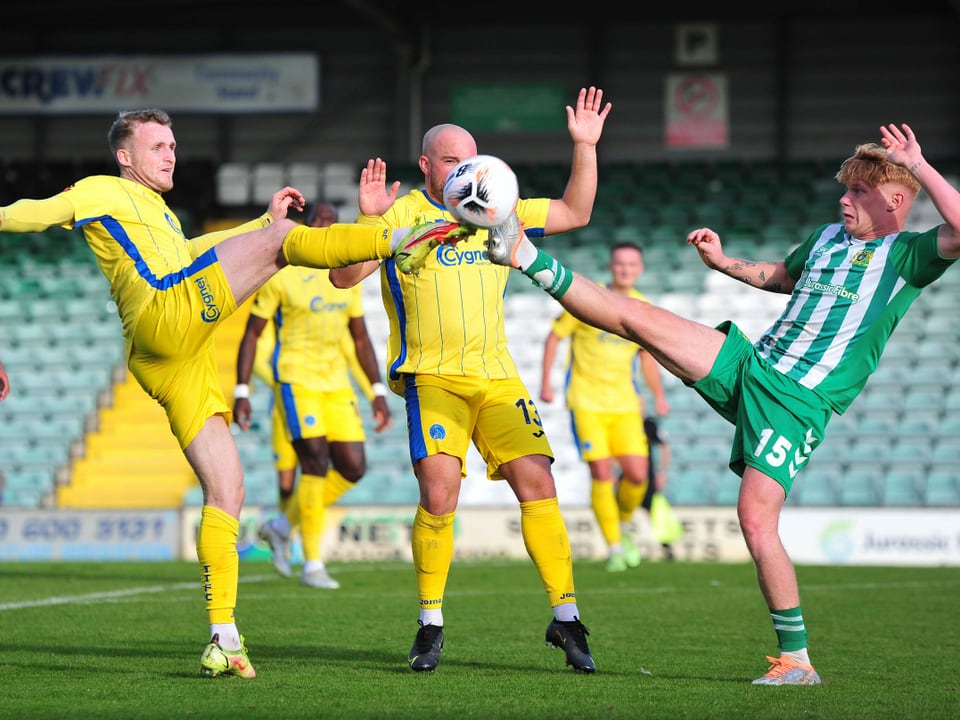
[{"x": 849, "y": 297}]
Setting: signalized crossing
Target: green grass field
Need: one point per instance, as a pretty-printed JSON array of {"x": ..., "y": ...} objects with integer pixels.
[{"x": 680, "y": 640}]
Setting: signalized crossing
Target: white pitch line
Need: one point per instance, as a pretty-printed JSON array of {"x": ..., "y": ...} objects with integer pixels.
[{"x": 113, "y": 594}]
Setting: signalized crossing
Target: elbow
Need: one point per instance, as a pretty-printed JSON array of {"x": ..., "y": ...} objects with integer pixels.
[{"x": 339, "y": 281}]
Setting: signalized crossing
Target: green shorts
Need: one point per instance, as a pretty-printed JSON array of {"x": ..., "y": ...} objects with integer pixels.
[{"x": 778, "y": 421}]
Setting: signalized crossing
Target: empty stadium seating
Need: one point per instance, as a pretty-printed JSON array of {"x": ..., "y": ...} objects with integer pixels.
[{"x": 896, "y": 446}]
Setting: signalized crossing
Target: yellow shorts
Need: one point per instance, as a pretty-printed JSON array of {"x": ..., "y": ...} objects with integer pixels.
[
  {"x": 284, "y": 454},
  {"x": 608, "y": 435},
  {"x": 310, "y": 413},
  {"x": 172, "y": 353},
  {"x": 445, "y": 413}
]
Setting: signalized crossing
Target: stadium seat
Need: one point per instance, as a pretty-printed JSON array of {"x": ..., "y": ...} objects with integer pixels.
[
  {"x": 818, "y": 487},
  {"x": 689, "y": 487},
  {"x": 266, "y": 178},
  {"x": 943, "y": 486},
  {"x": 234, "y": 184},
  {"x": 307, "y": 178},
  {"x": 861, "y": 487},
  {"x": 903, "y": 487},
  {"x": 726, "y": 488}
]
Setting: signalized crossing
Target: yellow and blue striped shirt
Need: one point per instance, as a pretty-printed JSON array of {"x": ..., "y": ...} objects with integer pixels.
[{"x": 448, "y": 320}]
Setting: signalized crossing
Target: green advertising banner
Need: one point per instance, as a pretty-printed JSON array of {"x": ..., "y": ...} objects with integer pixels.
[{"x": 509, "y": 107}]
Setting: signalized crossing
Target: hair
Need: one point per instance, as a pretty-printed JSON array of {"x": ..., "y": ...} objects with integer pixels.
[
  {"x": 315, "y": 208},
  {"x": 626, "y": 245},
  {"x": 869, "y": 164},
  {"x": 128, "y": 120}
]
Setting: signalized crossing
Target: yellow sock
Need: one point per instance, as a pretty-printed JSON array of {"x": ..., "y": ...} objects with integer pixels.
[
  {"x": 432, "y": 544},
  {"x": 219, "y": 563},
  {"x": 666, "y": 525},
  {"x": 545, "y": 537},
  {"x": 290, "y": 507},
  {"x": 335, "y": 487},
  {"x": 629, "y": 497},
  {"x": 310, "y": 499},
  {"x": 336, "y": 245},
  {"x": 604, "y": 504}
]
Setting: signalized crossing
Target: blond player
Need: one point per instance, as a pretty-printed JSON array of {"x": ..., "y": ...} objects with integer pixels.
[{"x": 172, "y": 293}]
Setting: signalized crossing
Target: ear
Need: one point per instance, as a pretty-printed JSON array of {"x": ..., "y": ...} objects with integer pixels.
[
  {"x": 424, "y": 163},
  {"x": 123, "y": 157},
  {"x": 896, "y": 200}
]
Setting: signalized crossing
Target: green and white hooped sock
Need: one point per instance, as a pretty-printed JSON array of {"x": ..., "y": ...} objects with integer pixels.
[
  {"x": 791, "y": 632},
  {"x": 548, "y": 274}
]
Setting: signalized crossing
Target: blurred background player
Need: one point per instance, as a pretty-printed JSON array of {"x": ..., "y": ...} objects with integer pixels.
[
  {"x": 314, "y": 398},
  {"x": 606, "y": 417},
  {"x": 4, "y": 382},
  {"x": 279, "y": 532},
  {"x": 667, "y": 528},
  {"x": 448, "y": 359}
]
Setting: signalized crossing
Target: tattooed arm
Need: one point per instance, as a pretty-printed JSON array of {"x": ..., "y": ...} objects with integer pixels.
[{"x": 765, "y": 275}]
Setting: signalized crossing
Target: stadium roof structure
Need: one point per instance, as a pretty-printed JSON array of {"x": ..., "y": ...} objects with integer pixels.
[{"x": 390, "y": 16}]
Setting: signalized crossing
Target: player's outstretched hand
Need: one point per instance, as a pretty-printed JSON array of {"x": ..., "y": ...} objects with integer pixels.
[
  {"x": 373, "y": 196},
  {"x": 902, "y": 146},
  {"x": 585, "y": 121},
  {"x": 707, "y": 243},
  {"x": 283, "y": 200}
]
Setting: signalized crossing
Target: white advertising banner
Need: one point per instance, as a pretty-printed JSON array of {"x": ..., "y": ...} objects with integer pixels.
[
  {"x": 209, "y": 83},
  {"x": 859, "y": 536},
  {"x": 357, "y": 533},
  {"x": 89, "y": 535}
]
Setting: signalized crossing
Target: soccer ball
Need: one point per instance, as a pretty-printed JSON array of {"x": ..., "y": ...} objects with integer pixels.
[{"x": 481, "y": 191}]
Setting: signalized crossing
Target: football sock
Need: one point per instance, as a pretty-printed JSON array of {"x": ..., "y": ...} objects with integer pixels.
[
  {"x": 604, "y": 505},
  {"x": 565, "y": 612},
  {"x": 335, "y": 486},
  {"x": 545, "y": 537},
  {"x": 629, "y": 496},
  {"x": 219, "y": 563},
  {"x": 285, "y": 501},
  {"x": 791, "y": 632},
  {"x": 229, "y": 635},
  {"x": 547, "y": 273},
  {"x": 337, "y": 245},
  {"x": 310, "y": 565},
  {"x": 310, "y": 499},
  {"x": 432, "y": 544},
  {"x": 801, "y": 656},
  {"x": 282, "y": 523},
  {"x": 432, "y": 617}
]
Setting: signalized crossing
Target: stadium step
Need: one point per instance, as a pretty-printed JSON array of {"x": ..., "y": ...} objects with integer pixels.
[{"x": 133, "y": 460}]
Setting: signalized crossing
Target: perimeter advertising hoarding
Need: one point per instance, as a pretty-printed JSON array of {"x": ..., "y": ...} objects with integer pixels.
[
  {"x": 883, "y": 536},
  {"x": 89, "y": 535},
  {"x": 219, "y": 84},
  {"x": 814, "y": 536},
  {"x": 383, "y": 533}
]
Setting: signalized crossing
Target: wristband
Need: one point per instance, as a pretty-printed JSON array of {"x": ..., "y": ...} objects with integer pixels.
[
  {"x": 379, "y": 389},
  {"x": 241, "y": 391}
]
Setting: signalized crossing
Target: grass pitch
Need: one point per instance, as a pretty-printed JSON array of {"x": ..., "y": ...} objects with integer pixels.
[{"x": 671, "y": 640}]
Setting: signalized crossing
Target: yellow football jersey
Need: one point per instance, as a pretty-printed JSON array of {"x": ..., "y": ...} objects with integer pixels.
[
  {"x": 310, "y": 321},
  {"x": 601, "y": 366},
  {"x": 448, "y": 320}
]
